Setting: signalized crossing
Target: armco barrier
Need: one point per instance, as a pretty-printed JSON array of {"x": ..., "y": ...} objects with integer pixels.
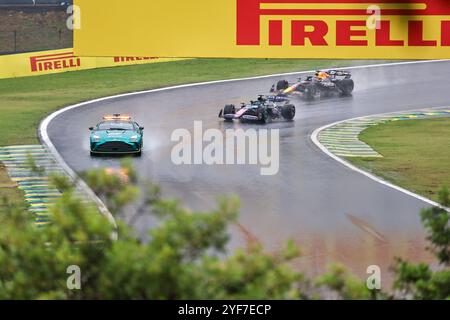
[{"x": 63, "y": 60}]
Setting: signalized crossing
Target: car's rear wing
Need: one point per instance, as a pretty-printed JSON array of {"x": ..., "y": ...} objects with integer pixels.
[{"x": 340, "y": 73}]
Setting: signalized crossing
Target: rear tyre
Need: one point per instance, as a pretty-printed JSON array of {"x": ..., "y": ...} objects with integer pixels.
[
  {"x": 288, "y": 112},
  {"x": 345, "y": 86},
  {"x": 229, "y": 109},
  {"x": 282, "y": 85}
]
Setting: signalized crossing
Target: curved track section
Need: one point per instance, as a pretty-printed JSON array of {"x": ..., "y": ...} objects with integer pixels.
[
  {"x": 348, "y": 130},
  {"x": 335, "y": 214}
]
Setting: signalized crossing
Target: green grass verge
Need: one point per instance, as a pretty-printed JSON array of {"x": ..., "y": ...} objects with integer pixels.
[
  {"x": 24, "y": 102},
  {"x": 416, "y": 154}
]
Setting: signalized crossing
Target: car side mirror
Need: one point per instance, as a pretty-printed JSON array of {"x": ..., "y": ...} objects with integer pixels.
[
  {"x": 91, "y": 128},
  {"x": 141, "y": 128}
]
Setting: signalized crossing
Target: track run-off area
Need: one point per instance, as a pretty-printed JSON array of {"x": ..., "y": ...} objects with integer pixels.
[{"x": 333, "y": 213}]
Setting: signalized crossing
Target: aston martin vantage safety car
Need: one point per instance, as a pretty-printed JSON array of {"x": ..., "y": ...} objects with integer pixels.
[{"x": 116, "y": 134}]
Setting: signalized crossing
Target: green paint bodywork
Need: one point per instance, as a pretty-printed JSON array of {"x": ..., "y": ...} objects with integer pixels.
[{"x": 128, "y": 141}]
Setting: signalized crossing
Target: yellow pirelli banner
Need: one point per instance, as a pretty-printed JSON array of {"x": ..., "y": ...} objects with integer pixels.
[
  {"x": 350, "y": 29},
  {"x": 56, "y": 61}
]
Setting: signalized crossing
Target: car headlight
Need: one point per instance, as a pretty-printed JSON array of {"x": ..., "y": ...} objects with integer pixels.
[
  {"x": 96, "y": 138},
  {"x": 134, "y": 138}
]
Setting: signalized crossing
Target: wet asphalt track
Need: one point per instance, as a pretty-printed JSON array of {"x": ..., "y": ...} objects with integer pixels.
[{"x": 333, "y": 213}]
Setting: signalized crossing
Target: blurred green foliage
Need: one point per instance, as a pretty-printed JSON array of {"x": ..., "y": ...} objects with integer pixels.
[
  {"x": 420, "y": 281},
  {"x": 185, "y": 256}
]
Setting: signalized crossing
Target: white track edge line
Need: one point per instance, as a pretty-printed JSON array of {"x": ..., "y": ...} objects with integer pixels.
[
  {"x": 80, "y": 183},
  {"x": 315, "y": 140},
  {"x": 45, "y": 139}
]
